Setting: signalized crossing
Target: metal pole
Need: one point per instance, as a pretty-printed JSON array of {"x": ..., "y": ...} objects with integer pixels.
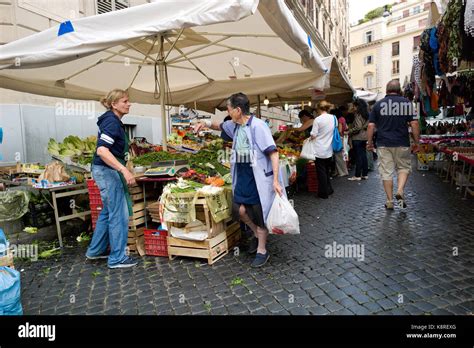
[
  {"x": 259, "y": 112},
  {"x": 161, "y": 66}
]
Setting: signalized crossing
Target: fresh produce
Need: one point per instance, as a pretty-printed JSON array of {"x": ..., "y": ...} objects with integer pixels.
[
  {"x": 49, "y": 253},
  {"x": 194, "y": 176},
  {"x": 139, "y": 146},
  {"x": 151, "y": 157},
  {"x": 175, "y": 139},
  {"x": 207, "y": 162},
  {"x": 83, "y": 237},
  {"x": 31, "y": 230},
  {"x": 215, "y": 181},
  {"x": 53, "y": 147},
  {"x": 73, "y": 146},
  {"x": 227, "y": 179},
  {"x": 183, "y": 186}
]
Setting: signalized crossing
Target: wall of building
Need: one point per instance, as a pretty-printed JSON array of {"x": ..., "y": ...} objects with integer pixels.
[
  {"x": 386, "y": 32},
  {"x": 329, "y": 23},
  {"x": 27, "y": 129}
]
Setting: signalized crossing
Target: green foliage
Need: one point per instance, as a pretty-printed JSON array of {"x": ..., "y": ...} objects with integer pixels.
[{"x": 375, "y": 13}]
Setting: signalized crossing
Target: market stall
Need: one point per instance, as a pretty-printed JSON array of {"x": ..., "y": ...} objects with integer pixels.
[
  {"x": 442, "y": 78},
  {"x": 442, "y": 82},
  {"x": 211, "y": 51}
]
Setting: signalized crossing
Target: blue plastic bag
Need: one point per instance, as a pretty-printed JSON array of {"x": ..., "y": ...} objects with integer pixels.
[
  {"x": 10, "y": 292},
  {"x": 336, "y": 141},
  {"x": 10, "y": 288}
]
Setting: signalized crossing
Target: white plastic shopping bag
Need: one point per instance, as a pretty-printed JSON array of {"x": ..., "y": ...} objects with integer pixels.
[
  {"x": 308, "y": 151},
  {"x": 282, "y": 218}
]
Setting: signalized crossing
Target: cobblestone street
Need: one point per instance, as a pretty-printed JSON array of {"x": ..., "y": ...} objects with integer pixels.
[{"x": 409, "y": 265}]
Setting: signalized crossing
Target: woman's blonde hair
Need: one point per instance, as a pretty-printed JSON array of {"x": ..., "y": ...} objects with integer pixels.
[
  {"x": 324, "y": 106},
  {"x": 112, "y": 97}
]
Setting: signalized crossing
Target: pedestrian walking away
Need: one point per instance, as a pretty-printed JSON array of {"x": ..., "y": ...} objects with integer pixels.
[
  {"x": 392, "y": 116},
  {"x": 323, "y": 134},
  {"x": 358, "y": 134}
]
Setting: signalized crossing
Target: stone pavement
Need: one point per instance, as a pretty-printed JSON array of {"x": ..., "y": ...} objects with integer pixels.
[{"x": 420, "y": 261}]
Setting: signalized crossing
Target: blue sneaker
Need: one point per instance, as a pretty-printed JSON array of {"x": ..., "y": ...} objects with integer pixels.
[
  {"x": 127, "y": 263},
  {"x": 103, "y": 256},
  {"x": 260, "y": 260}
]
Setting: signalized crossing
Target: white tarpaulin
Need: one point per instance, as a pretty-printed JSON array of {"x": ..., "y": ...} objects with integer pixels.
[
  {"x": 249, "y": 49},
  {"x": 175, "y": 52}
]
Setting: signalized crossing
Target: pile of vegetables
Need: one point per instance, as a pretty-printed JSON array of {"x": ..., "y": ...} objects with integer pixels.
[
  {"x": 80, "y": 151},
  {"x": 193, "y": 175},
  {"x": 207, "y": 162},
  {"x": 72, "y": 146},
  {"x": 139, "y": 146},
  {"x": 215, "y": 181},
  {"x": 183, "y": 186},
  {"x": 151, "y": 157},
  {"x": 204, "y": 162}
]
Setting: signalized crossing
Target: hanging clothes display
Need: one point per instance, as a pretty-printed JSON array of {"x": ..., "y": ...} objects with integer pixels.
[
  {"x": 452, "y": 35},
  {"x": 428, "y": 60},
  {"x": 434, "y": 44},
  {"x": 469, "y": 18},
  {"x": 467, "y": 35}
]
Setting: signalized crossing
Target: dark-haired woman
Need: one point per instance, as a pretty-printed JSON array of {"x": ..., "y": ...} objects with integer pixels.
[
  {"x": 256, "y": 177},
  {"x": 358, "y": 133}
]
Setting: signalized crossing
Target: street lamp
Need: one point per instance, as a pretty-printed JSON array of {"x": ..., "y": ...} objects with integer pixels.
[
  {"x": 286, "y": 106},
  {"x": 386, "y": 12},
  {"x": 266, "y": 101}
]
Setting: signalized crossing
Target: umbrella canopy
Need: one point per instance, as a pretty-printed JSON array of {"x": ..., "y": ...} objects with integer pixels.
[{"x": 173, "y": 53}]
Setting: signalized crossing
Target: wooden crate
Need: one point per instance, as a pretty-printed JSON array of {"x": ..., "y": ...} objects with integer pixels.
[
  {"x": 204, "y": 215},
  {"x": 136, "y": 242},
  {"x": 212, "y": 249},
  {"x": 139, "y": 211}
]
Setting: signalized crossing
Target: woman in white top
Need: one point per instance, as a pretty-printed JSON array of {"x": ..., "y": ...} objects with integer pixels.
[{"x": 323, "y": 133}]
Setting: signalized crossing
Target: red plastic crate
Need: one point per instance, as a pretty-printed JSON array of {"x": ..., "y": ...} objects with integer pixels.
[
  {"x": 311, "y": 177},
  {"x": 91, "y": 183},
  {"x": 156, "y": 242},
  {"x": 95, "y": 207},
  {"x": 93, "y": 190},
  {"x": 95, "y": 200}
]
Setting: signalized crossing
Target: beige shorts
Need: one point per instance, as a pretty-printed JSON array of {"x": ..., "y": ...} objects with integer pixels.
[{"x": 393, "y": 158}]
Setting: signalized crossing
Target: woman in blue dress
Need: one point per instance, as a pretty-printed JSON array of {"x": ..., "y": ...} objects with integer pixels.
[{"x": 255, "y": 169}]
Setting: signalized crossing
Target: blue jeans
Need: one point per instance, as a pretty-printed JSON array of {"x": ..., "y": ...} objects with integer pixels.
[
  {"x": 112, "y": 224},
  {"x": 362, "y": 166}
]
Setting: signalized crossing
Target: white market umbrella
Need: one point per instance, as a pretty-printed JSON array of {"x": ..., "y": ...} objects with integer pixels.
[{"x": 171, "y": 52}]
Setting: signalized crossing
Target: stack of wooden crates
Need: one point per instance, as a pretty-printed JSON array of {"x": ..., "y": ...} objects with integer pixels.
[
  {"x": 222, "y": 236},
  {"x": 135, "y": 243}
]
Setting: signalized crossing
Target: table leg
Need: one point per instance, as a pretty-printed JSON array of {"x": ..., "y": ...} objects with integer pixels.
[
  {"x": 144, "y": 202},
  {"x": 462, "y": 175},
  {"x": 469, "y": 180},
  {"x": 56, "y": 216}
]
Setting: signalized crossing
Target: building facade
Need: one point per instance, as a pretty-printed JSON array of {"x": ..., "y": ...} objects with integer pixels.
[
  {"x": 327, "y": 23},
  {"x": 382, "y": 49},
  {"x": 21, "y": 18}
]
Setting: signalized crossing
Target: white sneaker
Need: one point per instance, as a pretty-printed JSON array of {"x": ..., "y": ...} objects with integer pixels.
[{"x": 355, "y": 178}]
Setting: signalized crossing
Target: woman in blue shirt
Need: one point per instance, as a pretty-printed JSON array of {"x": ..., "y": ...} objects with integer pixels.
[{"x": 112, "y": 178}]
